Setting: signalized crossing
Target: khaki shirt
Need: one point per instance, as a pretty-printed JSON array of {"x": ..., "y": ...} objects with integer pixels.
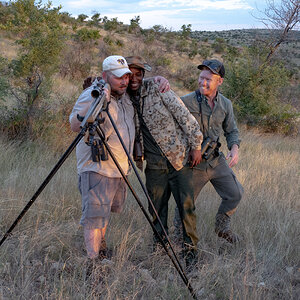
[
  {"x": 122, "y": 113},
  {"x": 216, "y": 122},
  {"x": 172, "y": 126}
]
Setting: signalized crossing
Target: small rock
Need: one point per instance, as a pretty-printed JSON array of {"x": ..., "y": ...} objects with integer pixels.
[
  {"x": 261, "y": 284},
  {"x": 290, "y": 270}
]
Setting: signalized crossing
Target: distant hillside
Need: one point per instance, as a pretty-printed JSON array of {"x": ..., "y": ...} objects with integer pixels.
[
  {"x": 290, "y": 49},
  {"x": 240, "y": 37}
]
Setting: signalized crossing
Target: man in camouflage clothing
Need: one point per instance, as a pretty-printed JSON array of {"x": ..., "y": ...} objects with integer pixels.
[{"x": 171, "y": 138}]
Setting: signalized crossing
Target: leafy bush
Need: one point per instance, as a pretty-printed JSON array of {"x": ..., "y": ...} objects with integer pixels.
[
  {"x": 40, "y": 39},
  {"x": 76, "y": 61},
  {"x": 182, "y": 45},
  {"x": 219, "y": 45},
  {"x": 134, "y": 26},
  {"x": 66, "y": 18},
  {"x": 188, "y": 76},
  {"x": 186, "y": 30},
  {"x": 112, "y": 24},
  {"x": 257, "y": 89},
  {"x": 84, "y": 34},
  {"x": 81, "y": 18},
  {"x": 120, "y": 43},
  {"x": 95, "y": 19},
  {"x": 204, "y": 51},
  {"x": 163, "y": 61},
  {"x": 108, "y": 40},
  {"x": 149, "y": 36}
]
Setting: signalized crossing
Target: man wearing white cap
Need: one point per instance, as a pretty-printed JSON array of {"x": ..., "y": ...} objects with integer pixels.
[{"x": 102, "y": 188}]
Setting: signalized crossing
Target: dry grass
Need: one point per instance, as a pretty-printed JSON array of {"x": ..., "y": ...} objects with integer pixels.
[{"x": 44, "y": 259}]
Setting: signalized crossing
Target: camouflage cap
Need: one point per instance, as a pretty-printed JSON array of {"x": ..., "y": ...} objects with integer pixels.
[
  {"x": 214, "y": 66},
  {"x": 138, "y": 62}
]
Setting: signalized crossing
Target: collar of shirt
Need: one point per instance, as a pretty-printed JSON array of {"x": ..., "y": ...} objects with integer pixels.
[{"x": 215, "y": 99}]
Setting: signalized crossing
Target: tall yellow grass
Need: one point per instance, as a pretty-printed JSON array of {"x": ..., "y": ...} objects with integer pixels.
[{"x": 45, "y": 259}]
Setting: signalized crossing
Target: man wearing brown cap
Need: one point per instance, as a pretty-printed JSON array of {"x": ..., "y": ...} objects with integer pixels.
[
  {"x": 215, "y": 115},
  {"x": 171, "y": 138},
  {"x": 102, "y": 188}
]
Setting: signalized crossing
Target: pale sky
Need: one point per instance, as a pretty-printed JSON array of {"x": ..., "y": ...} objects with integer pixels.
[{"x": 207, "y": 15}]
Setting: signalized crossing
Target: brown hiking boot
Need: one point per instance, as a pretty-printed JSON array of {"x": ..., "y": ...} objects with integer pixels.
[{"x": 222, "y": 229}]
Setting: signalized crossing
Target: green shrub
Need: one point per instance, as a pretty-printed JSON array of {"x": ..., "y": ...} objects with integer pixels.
[
  {"x": 193, "y": 50},
  {"x": 40, "y": 37},
  {"x": 112, "y": 24},
  {"x": 204, "y": 51},
  {"x": 66, "y": 18},
  {"x": 163, "y": 61},
  {"x": 108, "y": 40},
  {"x": 186, "y": 30},
  {"x": 134, "y": 26},
  {"x": 257, "y": 90},
  {"x": 95, "y": 19},
  {"x": 182, "y": 45},
  {"x": 120, "y": 43},
  {"x": 219, "y": 45},
  {"x": 188, "y": 75},
  {"x": 81, "y": 18},
  {"x": 84, "y": 34}
]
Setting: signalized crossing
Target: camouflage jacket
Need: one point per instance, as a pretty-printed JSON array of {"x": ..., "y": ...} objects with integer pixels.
[{"x": 172, "y": 126}]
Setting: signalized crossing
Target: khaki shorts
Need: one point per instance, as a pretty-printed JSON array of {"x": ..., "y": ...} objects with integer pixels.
[{"x": 100, "y": 196}]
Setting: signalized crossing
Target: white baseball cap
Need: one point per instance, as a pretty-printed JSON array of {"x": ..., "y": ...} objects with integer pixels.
[{"x": 116, "y": 64}]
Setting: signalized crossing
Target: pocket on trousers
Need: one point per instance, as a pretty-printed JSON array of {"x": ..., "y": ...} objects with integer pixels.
[{"x": 98, "y": 204}]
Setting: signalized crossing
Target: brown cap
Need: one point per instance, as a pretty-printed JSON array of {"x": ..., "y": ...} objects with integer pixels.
[
  {"x": 138, "y": 61},
  {"x": 214, "y": 66}
]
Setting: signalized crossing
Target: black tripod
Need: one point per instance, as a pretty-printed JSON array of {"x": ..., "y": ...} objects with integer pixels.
[{"x": 92, "y": 121}]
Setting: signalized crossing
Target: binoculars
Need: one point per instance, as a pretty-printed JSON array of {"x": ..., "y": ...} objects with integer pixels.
[
  {"x": 99, "y": 151},
  {"x": 209, "y": 147}
]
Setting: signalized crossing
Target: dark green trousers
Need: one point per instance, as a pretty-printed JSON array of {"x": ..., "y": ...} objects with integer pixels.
[
  {"x": 223, "y": 180},
  {"x": 160, "y": 184}
]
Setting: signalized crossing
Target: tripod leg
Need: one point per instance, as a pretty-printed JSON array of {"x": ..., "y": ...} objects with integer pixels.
[
  {"x": 43, "y": 185},
  {"x": 143, "y": 187},
  {"x": 176, "y": 262}
]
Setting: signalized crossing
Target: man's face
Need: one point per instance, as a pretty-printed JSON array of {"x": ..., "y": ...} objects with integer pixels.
[
  {"x": 209, "y": 83},
  {"x": 136, "y": 78},
  {"x": 118, "y": 84}
]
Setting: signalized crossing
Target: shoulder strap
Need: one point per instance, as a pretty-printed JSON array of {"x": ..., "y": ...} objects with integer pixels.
[
  {"x": 199, "y": 100},
  {"x": 198, "y": 95}
]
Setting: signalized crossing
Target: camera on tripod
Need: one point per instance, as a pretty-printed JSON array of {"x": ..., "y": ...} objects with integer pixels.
[{"x": 210, "y": 147}]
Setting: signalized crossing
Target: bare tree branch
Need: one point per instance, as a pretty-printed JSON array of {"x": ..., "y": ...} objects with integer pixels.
[{"x": 283, "y": 16}]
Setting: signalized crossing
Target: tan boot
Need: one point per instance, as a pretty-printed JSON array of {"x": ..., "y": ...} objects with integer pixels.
[{"x": 222, "y": 229}]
